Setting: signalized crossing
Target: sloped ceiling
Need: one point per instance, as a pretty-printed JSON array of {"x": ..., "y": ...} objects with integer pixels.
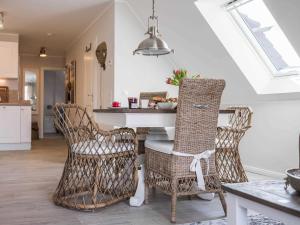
[
  {"x": 196, "y": 46},
  {"x": 33, "y": 19},
  {"x": 198, "y": 49},
  {"x": 287, "y": 15}
]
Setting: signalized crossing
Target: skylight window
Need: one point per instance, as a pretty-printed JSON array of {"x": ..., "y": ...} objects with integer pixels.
[{"x": 266, "y": 36}]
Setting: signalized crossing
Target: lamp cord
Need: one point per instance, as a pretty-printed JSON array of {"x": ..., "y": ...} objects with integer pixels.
[{"x": 153, "y": 9}]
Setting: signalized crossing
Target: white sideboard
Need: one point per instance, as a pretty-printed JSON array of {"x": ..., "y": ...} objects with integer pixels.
[{"x": 15, "y": 127}]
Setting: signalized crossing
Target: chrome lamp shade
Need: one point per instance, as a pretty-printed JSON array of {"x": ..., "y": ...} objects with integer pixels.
[{"x": 153, "y": 45}]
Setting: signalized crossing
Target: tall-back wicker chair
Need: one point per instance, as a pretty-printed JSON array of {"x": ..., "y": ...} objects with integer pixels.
[
  {"x": 228, "y": 161},
  {"x": 101, "y": 166},
  {"x": 176, "y": 167}
]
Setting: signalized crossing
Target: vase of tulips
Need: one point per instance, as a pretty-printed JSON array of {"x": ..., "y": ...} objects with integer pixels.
[{"x": 178, "y": 76}]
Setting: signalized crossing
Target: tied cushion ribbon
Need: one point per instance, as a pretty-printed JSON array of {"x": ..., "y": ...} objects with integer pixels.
[{"x": 196, "y": 165}]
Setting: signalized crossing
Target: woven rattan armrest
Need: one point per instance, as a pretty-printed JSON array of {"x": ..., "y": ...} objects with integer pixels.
[
  {"x": 123, "y": 130},
  {"x": 231, "y": 129}
]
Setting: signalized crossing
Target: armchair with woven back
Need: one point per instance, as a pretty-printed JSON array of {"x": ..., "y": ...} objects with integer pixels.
[
  {"x": 228, "y": 160},
  {"x": 101, "y": 167}
]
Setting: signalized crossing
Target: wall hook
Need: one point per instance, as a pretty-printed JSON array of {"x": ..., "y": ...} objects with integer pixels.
[{"x": 88, "y": 48}]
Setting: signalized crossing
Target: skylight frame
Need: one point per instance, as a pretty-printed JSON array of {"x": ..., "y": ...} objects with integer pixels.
[{"x": 232, "y": 9}]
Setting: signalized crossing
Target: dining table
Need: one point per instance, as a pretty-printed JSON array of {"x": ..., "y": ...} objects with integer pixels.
[
  {"x": 148, "y": 117},
  {"x": 161, "y": 123}
]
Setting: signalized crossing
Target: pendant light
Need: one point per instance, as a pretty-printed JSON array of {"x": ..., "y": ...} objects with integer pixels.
[
  {"x": 43, "y": 49},
  {"x": 43, "y": 52},
  {"x": 153, "y": 45},
  {"x": 1, "y": 20}
]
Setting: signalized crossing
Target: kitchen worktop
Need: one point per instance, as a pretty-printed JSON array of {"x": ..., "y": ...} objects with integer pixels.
[{"x": 17, "y": 103}]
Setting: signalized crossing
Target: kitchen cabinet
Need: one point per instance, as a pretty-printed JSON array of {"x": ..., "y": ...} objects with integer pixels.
[
  {"x": 15, "y": 127},
  {"x": 25, "y": 124},
  {"x": 10, "y": 124},
  {"x": 9, "y": 59}
]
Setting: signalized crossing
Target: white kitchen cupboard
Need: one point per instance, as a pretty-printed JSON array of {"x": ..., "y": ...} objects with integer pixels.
[
  {"x": 9, "y": 59},
  {"x": 15, "y": 127},
  {"x": 9, "y": 124},
  {"x": 25, "y": 124}
]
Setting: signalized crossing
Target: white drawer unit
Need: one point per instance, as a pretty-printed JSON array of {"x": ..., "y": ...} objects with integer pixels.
[{"x": 15, "y": 127}]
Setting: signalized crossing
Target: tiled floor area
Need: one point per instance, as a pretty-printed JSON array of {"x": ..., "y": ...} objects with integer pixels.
[{"x": 28, "y": 179}]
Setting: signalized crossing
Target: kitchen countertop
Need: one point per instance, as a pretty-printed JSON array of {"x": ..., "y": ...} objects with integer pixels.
[{"x": 17, "y": 103}]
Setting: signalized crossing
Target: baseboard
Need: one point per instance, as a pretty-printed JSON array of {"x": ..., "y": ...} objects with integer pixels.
[
  {"x": 15, "y": 147},
  {"x": 267, "y": 173}
]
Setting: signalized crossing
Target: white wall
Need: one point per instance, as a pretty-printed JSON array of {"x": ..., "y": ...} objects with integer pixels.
[
  {"x": 88, "y": 70},
  {"x": 125, "y": 73},
  {"x": 287, "y": 15},
  {"x": 135, "y": 74},
  {"x": 271, "y": 145}
]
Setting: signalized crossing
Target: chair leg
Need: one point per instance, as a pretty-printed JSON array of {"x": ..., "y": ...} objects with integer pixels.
[
  {"x": 154, "y": 190},
  {"x": 223, "y": 202},
  {"x": 173, "y": 207},
  {"x": 96, "y": 181},
  {"x": 146, "y": 194}
]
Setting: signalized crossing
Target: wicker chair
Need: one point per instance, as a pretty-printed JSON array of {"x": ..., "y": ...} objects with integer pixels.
[
  {"x": 168, "y": 164},
  {"x": 228, "y": 161},
  {"x": 101, "y": 166}
]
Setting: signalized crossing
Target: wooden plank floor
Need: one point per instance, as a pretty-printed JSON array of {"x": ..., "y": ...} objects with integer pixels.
[{"x": 29, "y": 178}]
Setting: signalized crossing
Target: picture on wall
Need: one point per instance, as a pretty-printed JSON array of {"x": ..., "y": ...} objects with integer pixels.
[{"x": 71, "y": 83}]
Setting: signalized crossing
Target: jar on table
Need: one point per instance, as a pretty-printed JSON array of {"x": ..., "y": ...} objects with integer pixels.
[{"x": 132, "y": 103}]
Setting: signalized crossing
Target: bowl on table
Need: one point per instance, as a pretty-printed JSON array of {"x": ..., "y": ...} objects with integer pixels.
[
  {"x": 293, "y": 178},
  {"x": 166, "y": 105}
]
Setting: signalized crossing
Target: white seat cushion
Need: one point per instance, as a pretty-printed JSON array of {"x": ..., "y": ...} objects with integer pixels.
[
  {"x": 94, "y": 148},
  {"x": 166, "y": 133},
  {"x": 160, "y": 146},
  {"x": 157, "y": 137}
]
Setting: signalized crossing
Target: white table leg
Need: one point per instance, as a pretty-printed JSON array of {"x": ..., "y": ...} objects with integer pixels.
[
  {"x": 139, "y": 197},
  {"x": 237, "y": 215},
  {"x": 161, "y": 133},
  {"x": 154, "y": 134},
  {"x": 206, "y": 196}
]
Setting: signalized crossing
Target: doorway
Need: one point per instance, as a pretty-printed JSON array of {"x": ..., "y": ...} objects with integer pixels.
[{"x": 53, "y": 92}]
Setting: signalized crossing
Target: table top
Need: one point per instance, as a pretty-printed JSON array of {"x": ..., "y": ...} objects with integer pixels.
[
  {"x": 127, "y": 110},
  {"x": 269, "y": 193}
]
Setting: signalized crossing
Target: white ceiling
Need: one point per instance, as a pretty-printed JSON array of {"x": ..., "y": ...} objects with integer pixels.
[
  {"x": 33, "y": 19},
  {"x": 66, "y": 19}
]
